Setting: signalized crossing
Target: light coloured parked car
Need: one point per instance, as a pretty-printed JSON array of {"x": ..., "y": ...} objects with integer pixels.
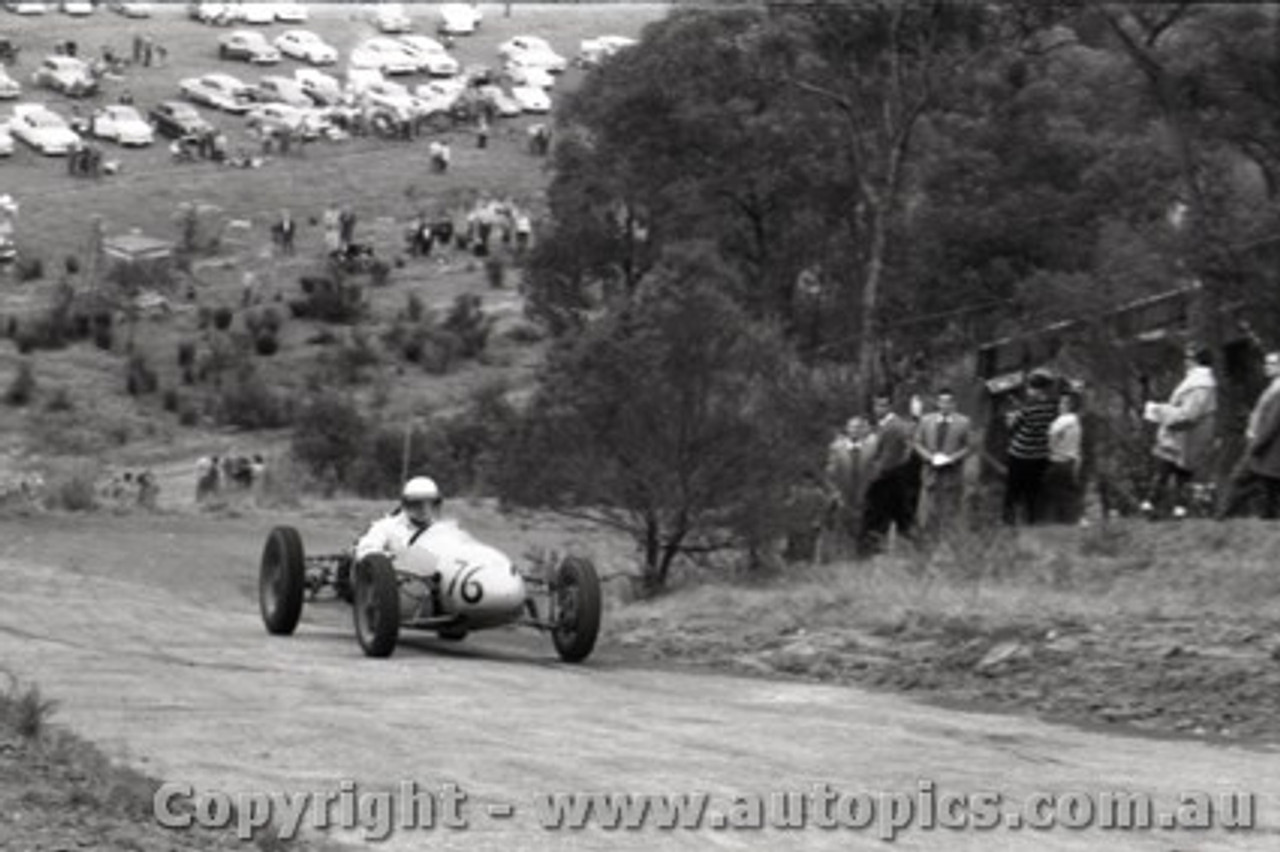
[
  {"x": 324, "y": 89},
  {"x": 593, "y": 51},
  {"x": 6, "y": 139},
  {"x": 286, "y": 90},
  {"x": 65, "y": 74},
  {"x": 77, "y": 8},
  {"x": 10, "y": 89},
  {"x": 26, "y": 7},
  {"x": 532, "y": 50},
  {"x": 291, "y": 13},
  {"x": 307, "y": 46},
  {"x": 43, "y": 129},
  {"x": 131, "y": 8},
  {"x": 432, "y": 55},
  {"x": 248, "y": 45},
  {"x": 220, "y": 91},
  {"x": 392, "y": 18},
  {"x": 122, "y": 124},
  {"x": 459, "y": 19},
  {"x": 532, "y": 98},
  {"x": 384, "y": 54}
]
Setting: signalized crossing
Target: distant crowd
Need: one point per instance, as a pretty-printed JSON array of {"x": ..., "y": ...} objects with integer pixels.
[{"x": 219, "y": 476}]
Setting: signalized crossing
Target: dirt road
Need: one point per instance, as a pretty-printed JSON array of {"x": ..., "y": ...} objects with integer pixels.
[{"x": 147, "y": 633}]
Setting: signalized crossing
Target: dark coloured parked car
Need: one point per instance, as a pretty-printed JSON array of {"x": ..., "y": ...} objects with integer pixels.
[{"x": 176, "y": 119}]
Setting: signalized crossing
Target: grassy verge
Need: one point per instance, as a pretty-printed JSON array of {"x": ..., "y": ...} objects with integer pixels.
[
  {"x": 58, "y": 791},
  {"x": 1164, "y": 627}
]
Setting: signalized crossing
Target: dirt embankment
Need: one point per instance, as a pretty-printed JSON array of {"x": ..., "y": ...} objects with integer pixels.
[{"x": 1155, "y": 629}]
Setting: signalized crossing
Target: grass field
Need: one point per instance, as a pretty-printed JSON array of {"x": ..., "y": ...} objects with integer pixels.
[{"x": 384, "y": 182}]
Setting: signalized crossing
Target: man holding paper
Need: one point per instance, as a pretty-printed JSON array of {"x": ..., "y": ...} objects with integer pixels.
[{"x": 943, "y": 441}]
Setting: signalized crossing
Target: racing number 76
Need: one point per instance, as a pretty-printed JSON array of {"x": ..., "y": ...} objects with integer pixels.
[{"x": 463, "y": 579}]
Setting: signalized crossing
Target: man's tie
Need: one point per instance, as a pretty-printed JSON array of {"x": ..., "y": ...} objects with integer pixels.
[{"x": 942, "y": 433}]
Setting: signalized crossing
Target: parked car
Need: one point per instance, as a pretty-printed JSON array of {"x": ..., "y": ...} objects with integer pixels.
[
  {"x": 385, "y": 94},
  {"x": 532, "y": 50},
  {"x": 65, "y": 74},
  {"x": 529, "y": 75},
  {"x": 9, "y": 87},
  {"x": 277, "y": 116},
  {"x": 392, "y": 18},
  {"x": 291, "y": 13},
  {"x": 324, "y": 89},
  {"x": 459, "y": 19},
  {"x": 285, "y": 90},
  {"x": 307, "y": 46},
  {"x": 176, "y": 119},
  {"x": 6, "y": 139},
  {"x": 26, "y": 7},
  {"x": 256, "y": 12},
  {"x": 441, "y": 94},
  {"x": 384, "y": 54},
  {"x": 131, "y": 8},
  {"x": 532, "y": 98},
  {"x": 43, "y": 129},
  {"x": 220, "y": 91},
  {"x": 432, "y": 56},
  {"x": 122, "y": 124},
  {"x": 500, "y": 99},
  {"x": 249, "y": 46},
  {"x": 77, "y": 8},
  {"x": 593, "y": 51}
]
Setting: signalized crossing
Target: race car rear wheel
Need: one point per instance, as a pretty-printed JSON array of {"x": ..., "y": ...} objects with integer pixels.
[
  {"x": 578, "y": 602},
  {"x": 282, "y": 579},
  {"x": 377, "y": 606}
]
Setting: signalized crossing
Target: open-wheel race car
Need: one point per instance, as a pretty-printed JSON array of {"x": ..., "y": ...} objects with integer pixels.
[{"x": 446, "y": 581}]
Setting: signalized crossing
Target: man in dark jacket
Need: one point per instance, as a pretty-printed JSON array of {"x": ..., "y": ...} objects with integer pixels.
[
  {"x": 1028, "y": 454},
  {"x": 1259, "y": 468},
  {"x": 895, "y": 478}
]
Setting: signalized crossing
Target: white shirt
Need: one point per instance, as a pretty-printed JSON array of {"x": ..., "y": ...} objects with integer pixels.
[{"x": 390, "y": 535}]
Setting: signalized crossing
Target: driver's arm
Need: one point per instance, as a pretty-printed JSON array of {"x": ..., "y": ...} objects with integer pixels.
[{"x": 377, "y": 539}]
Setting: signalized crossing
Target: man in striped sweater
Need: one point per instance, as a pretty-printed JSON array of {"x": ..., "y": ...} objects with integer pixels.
[{"x": 1027, "y": 458}]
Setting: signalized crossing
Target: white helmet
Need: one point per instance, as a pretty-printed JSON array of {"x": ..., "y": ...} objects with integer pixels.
[{"x": 420, "y": 488}]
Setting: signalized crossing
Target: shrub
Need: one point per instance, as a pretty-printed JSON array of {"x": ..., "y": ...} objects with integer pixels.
[
  {"x": 188, "y": 415},
  {"x": 468, "y": 321},
  {"x": 76, "y": 491},
  {"x": 172, "y": 401},
  {"x": 60, "y": 400},
  {"x": 271, "y": 320},
  {"x": 30, "y": 268},
  {"x": 329, "y": 437},
  {"x": 440, "y": 351},
  {"x": 72, "y": 264},
  {"x": 186, "y": 354},
  {"x": 103, "y": 338},
  {"x": 222, "y": 318},
  {"x": 414, "y": 309},
  {"x": 23, "y": 387},
  {"x": 328, "y": 300},
  {"x": 525, "y": 333},
  {"x": 204, "y": 316},
  {"x": 379, "y": 273},
  {"x": 249, "y": 403},
  {"x": 266, "y": 345},
  {"x": 140, "y": 379}
]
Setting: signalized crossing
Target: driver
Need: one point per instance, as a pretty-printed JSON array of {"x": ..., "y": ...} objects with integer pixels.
[{"x": 419, "y": 508}]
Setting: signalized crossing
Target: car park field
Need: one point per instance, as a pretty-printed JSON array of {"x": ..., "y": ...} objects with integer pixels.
[{"x": 376, "y": 177}]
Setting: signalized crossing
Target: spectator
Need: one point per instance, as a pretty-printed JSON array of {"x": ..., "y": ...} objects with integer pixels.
[
  {"x": 895, "y": 476},
  {"x": 1027, "y": 457},
  {"x": 482, "y": 132},
  {"x": 524, "y": 230},
  {"x": 1184, "y": 435},
  {"x": 848, "y": 464},
  {"x": 283, "y": 232},
  {"x": 943, "y": 442},
  {"x": 1063, "y": 484},
  {"x": 347, "y": 226},
  {"x": 1259, "y": 468}
]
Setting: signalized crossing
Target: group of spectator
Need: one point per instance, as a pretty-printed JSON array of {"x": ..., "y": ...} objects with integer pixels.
[
  {"x": 128, "y": 489},
  {"x": 486, "y": 223},
  {"x": 906, "y": 473},
  {"x": 216, "y": 475}
]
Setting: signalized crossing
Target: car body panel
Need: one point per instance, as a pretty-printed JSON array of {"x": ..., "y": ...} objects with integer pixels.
[
  {"x": 255, "y": 12},
  {"x": 324, "y": 89},
  {"x": 6, "y": 139},
  {"x": 431, "y": 54},
  {"x": 286, "y": 90},
  {"x": 392, "y": 18},
  {"x": 291, "y": 13},
  {"x": 10, "y": 89}
]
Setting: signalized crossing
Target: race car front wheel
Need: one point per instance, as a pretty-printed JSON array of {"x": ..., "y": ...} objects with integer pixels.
[
  {"x": 282, "y": 577},
  {"x": 577, "y": 595},
  {"x": 377, "y": 606}
]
